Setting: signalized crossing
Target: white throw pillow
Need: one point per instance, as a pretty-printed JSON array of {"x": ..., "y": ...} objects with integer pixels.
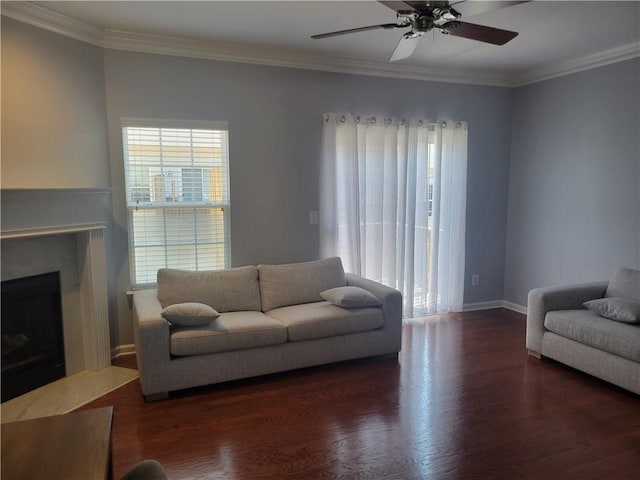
[
  {"x": 190, "y": 314},
  {"x": 350, "y": 297}
]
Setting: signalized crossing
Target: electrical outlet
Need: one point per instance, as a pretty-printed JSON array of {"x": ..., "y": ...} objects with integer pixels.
[{"x": 475, "y": 279}]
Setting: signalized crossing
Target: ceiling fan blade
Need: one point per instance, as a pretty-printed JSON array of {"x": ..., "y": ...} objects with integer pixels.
[
  {"x": 397, "y": 6},
  {"x": 468, "y": 9},
  {"x": 360, "y": 29},
  {"x": 405, "y": 48},
  {"x": 481, "y": 33}
]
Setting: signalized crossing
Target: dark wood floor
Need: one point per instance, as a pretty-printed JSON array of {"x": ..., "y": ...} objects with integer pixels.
[{"x": 463, "y": 401}]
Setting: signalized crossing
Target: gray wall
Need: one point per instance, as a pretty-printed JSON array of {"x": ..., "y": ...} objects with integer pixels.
[
  {"x": 274, "y": 117},
  {"x": 53, "y": 110},
  {"x": 574, "y": 193},
  {"x": 54, "y": 126}
]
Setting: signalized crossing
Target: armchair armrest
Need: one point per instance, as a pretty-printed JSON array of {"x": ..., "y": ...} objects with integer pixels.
[{"x": 566, "y": 297}]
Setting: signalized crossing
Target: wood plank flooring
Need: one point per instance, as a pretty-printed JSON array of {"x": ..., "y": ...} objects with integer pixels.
[{"x": 463, "y": 401}]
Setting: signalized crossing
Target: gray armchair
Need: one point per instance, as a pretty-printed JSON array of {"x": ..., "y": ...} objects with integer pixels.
[{"x": 602, "y": 340}]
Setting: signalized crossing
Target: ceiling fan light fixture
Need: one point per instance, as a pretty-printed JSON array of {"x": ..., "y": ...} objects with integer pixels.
[
  {"x": 451, "y": 14},
  {"x": 422, "y": 24},
  {"x": 412, "y": 34},
  {"x": 449, "y": 27}
]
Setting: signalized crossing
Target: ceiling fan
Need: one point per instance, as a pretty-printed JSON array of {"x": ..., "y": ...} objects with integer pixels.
[{"x": 422, "y": 17}]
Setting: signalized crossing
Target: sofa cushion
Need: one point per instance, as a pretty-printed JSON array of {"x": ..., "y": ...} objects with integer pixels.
[
  {"x": 235, "y": 289},
  {"x": 323, "y": 319},
  {"x": 189, "y": 314},
  {"x": 588, "y": 327},
  {"x": 350, "y": 297},
  {"x": 230, "y": 331},
  {"x": 619, "y": 309},
  {"x": 296, "y": 283},
  {"x": 624, "y": 283}
]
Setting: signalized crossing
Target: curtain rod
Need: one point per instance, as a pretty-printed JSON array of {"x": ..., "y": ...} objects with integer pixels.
[{"x": 389, "y": 121}]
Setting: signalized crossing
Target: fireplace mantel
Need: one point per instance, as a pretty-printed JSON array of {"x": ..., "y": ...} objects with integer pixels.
[
  {"x": 82, "y": 212},
  {"x": 42, "y": 209},
  {"x": 59, "y": 230}
]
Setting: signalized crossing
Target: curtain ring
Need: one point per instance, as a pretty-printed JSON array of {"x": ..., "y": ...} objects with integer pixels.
[
  {"x": 420, "y": 123},
  {"x": 402, "y": 121},
  {"x": 358, "y": 119},
  {"x": 443, "y": 124},
  {"x": 343, "y": 119},
  {"x": 372, "y": 120}
]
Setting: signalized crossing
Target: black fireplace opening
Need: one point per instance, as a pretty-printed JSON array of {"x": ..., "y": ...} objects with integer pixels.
[{"x": 32, "y": 339}]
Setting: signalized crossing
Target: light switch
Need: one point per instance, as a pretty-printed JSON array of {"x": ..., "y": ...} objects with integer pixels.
[{"x": 313, "y": 217}]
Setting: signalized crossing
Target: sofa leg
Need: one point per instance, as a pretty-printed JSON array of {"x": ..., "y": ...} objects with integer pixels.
[
  {"x": 534, "y": 354},
  {"x": 156, "y": 396}
]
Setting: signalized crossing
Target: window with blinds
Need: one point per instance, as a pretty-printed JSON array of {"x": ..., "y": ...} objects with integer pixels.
[{"x": 177, "y": 188}]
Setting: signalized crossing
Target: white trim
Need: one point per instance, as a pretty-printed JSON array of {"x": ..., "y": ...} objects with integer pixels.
[
  {"x": 46, "y": 19},
  {"x": 83, "y": 190},
  {"x": 472, "y": 307},
  {"x": 42, "y": 17},
  {"x": 58, "y": 230},
  {"x": 120, "y": 350},
  {"x": 514, "y": 307},
  {"x": 168, "y": 123},
  {"x": 232, "y": 52},
  {"x": 600, "y": 59}
]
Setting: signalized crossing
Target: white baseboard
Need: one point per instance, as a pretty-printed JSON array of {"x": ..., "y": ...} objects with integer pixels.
[
  {"x": 120, "y": 350},
  {"x": 515, "y": 307},
  {"x": 471, "y": 307}
]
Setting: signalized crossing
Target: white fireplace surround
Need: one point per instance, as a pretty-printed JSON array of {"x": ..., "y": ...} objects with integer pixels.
[{"x": 41, "y": 213}]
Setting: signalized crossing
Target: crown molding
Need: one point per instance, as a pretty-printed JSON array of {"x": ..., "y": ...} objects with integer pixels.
[
  {"x": 44, "y": 18},
  {"x": 600, "y": 59},
  {"x": 233, "y": 52}
]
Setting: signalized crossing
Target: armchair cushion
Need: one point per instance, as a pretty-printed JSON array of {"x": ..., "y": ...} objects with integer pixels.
[
  {"x": 589, "y": 328},
  {"x": 619, "y": 309}
]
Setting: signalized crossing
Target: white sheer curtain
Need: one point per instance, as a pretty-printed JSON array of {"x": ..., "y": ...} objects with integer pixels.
[{"x": 392, "y": 205}]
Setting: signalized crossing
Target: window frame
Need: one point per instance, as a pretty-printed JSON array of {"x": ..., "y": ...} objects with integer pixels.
[{"x": 165, "y": 206}]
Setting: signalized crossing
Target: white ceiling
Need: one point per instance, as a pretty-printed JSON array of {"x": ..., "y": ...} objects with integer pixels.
[{"x": 552, "y": 35}]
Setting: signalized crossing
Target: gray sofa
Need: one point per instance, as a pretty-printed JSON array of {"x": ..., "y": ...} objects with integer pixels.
[
  {"x": 272, "y": 318},
  {"x": 575, "y": 325}
]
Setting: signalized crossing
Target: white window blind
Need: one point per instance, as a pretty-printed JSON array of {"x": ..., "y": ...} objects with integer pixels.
[{"x": 177, "y": 188}]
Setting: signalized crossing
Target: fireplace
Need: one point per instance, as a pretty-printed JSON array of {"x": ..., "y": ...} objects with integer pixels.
[
  {"x": 32, "y": 335},
  {"x": 51, "y": 230}
]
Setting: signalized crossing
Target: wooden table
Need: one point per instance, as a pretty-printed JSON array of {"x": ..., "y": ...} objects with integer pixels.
[{"x": 72, "y": 446}]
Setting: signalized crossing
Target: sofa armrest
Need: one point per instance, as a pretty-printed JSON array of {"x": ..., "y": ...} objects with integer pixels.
[
  {"x": 151, "y": 335},
  {"x": 566, "y": 297},
  {"x": 391, "y": 300}
]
